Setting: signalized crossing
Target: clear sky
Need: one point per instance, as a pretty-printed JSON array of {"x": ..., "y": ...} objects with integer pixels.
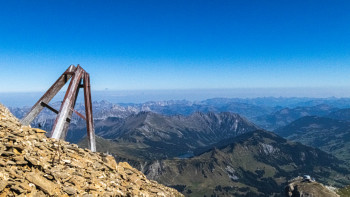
[{"x": 179, "y": 44}]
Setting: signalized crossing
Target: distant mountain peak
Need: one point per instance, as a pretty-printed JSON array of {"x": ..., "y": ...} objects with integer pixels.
[{"x": 171, "y": 136}]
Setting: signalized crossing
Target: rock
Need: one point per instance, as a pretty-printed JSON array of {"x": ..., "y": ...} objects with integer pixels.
[
  {"x": 3, "y": 184},
  {"x": 20, "y": 160},
  {"x": 38, "y": 194},
  {"x": 7, "y": 153},
  {"x": 39, "y": 130},
  {"x": 10, "y": 163},
  {"x": 5, "y": 192},
  {"x": 70, "y": 190},
  {"x": 45, "y": 185},
  {"x": 33, "y": 165},
  {"x": 298, "y": 187},
  {"x": 109, "y": 160},
  {"x": 87, "y": 195},
  {"x": 33, "y": 161},
  {"x": 17, "y": 189},
  {"x": 124, "y": 165}
]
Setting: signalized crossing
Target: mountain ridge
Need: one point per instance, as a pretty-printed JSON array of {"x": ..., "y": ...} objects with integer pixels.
[
  {"x": 172, "y": 136},
  {"x": 257, "y": 163},
  {"x": 330, "y": 135}
]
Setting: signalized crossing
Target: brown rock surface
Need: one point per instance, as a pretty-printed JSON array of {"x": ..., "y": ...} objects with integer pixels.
[
  {"x": 33, "y": 165},
  {"x": 299, "y": 187}
]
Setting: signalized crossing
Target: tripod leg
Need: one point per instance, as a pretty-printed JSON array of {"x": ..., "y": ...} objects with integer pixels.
[
  {"x": 88, "y": 111},
  {"x": 46, "y": 98},
  {"x": 66, "y": 108},
  {"x": 67, "y": 123}
]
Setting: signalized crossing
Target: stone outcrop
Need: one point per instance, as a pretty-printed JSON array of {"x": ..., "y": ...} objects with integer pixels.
[
  {"x": 33, "y": 165},
  {"x": 299, "y": 187}
]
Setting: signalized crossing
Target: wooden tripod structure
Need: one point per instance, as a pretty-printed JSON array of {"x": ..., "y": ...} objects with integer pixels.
[{"x": 79, "y": 79}]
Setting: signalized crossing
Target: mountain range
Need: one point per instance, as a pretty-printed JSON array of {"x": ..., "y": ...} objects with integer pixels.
[
  {"x": 160, "y": 137},
  {"x": 215, "y": 154},
  {"x": 330, "y": 135},
  {"x": 285, "y": 116},
  {"x": 256, "y": 163},
  {"x": 342, "y": 114},
  {"x": 264, "y": 112},
  {"x": 199, "y": 149}
]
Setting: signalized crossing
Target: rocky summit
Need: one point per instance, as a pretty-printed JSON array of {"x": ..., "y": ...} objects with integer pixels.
[
  {"x": 33, "y": 165},
  {"x": 301, "y": 187}
]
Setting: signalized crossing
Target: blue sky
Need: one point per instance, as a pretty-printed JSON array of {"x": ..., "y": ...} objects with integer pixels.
[{"x": 180, "y": 44}]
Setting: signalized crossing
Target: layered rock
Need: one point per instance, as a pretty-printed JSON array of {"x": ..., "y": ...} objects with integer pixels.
[{"x": 33, "y": 165}]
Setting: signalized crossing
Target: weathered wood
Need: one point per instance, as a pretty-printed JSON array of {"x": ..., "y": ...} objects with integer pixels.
[
  {"x": 79, "y": 79},
  {"x": 79, "y": 114},
  {"x": 66, "y": 124},
  {"x": 88, "y": 113},
  {"x": 59, "y": 129},
  {"x": 56, "y": 111},
  {"x": 46, "y": 98},
  {"x": 49, "y": 107}
]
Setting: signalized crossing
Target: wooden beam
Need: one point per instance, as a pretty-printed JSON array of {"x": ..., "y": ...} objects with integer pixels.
[
  {"x": 54, "y": 110},
  {"x": 88, "y": 113},
  {"x": 60, "y": 127},
  {"x": 79, "y": 114},
  {"x": 49, "y": 107},
  {"x": 46, "y": 98},
  {"x": 67, "y": 123}
]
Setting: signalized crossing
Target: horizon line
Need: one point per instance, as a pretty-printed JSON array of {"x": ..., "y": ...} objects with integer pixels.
[{"x": 197, "y": 89}]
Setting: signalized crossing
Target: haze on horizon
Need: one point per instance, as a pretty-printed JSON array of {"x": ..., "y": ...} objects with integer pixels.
[{"x": 213, "y": 46}]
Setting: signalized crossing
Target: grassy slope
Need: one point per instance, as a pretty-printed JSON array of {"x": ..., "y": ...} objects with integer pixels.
[{"x": 258, "y": 173}]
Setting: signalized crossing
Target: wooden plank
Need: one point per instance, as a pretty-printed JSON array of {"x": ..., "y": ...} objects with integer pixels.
[{"x": 46, "y": 98}]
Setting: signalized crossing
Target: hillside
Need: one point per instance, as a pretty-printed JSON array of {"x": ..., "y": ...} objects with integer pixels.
[
  {"x": 285, "y": 116},
  {"x": 342, "y": 114},
  {"x": 33, "y": 165},
  {"x": 257, "y": 163},
  {"x": 152, "y": 136},
  {"x": 330, "y": 135}
]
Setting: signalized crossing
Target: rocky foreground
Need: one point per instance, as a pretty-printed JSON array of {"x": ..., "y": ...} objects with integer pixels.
[{"x": 33, "y": 165}]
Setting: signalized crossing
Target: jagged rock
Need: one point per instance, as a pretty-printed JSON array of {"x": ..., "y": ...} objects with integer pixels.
[
  {"x": 45, "y": 185},
  {"x": 299, "y": 187},
  {"x": 33, "y": 165}
]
